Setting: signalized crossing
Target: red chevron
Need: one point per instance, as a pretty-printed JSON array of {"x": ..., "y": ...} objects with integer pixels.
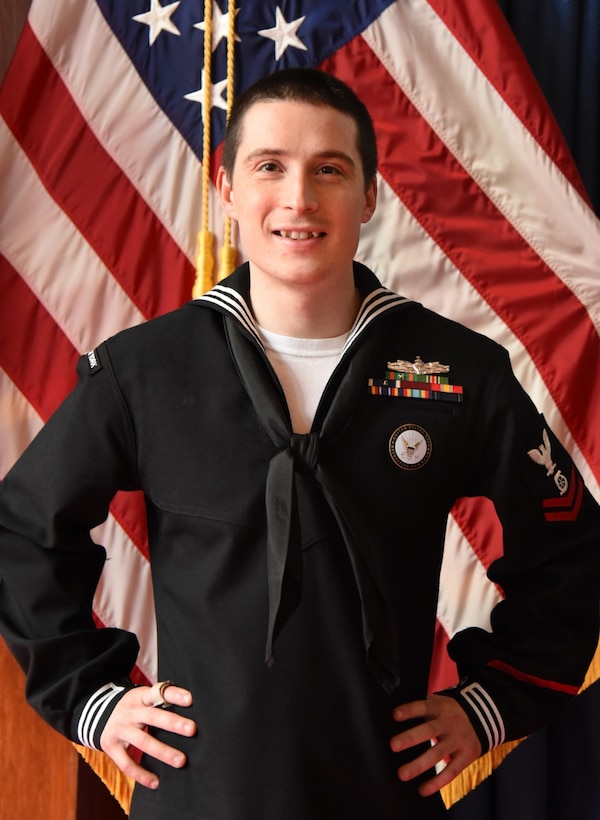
[{"x": 569, "y": 504}]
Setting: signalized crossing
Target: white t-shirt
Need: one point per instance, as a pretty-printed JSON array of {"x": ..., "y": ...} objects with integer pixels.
[{"x": 303, "y": 367}]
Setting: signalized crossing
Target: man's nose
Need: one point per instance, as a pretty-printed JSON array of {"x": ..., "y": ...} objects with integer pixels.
[{"x": 300, "y": 193}]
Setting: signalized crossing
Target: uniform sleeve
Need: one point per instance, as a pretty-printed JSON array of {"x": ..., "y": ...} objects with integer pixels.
[
  {"x": 545, "y": 631},
  {"x": 49, "y": 566}
]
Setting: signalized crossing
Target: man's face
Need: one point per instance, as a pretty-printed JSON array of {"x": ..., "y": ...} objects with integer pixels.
[{"x": 298, "y": 193}]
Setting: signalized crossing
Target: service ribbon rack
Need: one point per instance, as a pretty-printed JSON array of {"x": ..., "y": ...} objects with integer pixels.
[{"x": 417, "y": 380}]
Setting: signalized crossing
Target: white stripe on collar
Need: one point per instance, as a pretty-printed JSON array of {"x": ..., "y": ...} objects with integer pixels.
[
  {"x": 374, "y": 304},
  {"x": 234, "y": 303}
]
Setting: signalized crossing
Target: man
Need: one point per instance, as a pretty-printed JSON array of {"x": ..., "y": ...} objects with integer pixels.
[{"x": 297, "y": 501}]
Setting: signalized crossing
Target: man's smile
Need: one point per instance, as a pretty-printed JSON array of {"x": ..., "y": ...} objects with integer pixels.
[{"x": 300, "y": 234}]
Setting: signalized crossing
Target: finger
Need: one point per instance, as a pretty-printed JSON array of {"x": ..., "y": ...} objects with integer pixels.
[
  {"x": 445, "y": 776},
  {"x": 421, "y": 733},
  {"x": 118, "y": 749},
  {"x": 177, "y": 695},
  {"x": 414, "y": 710},
  {"x": 158, "y": 749},
  {"x": 168, "y": 721},
  {"x": 165, "y": 693},
  {"x": 421, "y": 764},
  {"x": 455, "y": 759},
  {"x": 133, "y": 717},
  {"x": 119, "y": 754}
]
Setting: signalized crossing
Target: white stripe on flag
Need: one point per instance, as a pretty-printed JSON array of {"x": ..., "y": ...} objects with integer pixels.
[
  {"x": 434, "y": 70},
  {"x": 19, "y": 423},
  {"x": 124, "y": 116},
  {"x": 53, "y": 258},
  {"x": 125, "y": 570}
]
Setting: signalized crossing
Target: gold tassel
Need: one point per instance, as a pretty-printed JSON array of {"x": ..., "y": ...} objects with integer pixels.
[
  {"x": 205, "y": 263},
  {"x": 476, "y": 773},
  {"x": 593, "y": 673},
  {"x": 118, "y": 784},
  {"x": 228, "y": 259}
]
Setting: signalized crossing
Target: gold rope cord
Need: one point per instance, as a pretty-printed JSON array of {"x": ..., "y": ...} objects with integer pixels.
[
  {"x": 118, "y": 784},
  {"x": 228, "y": 254},
  {"x": 205, "y": 243}
]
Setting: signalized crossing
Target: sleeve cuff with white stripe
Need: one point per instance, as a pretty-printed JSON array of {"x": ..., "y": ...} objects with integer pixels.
[
  {"x": 96, "y": 712},
  {"x": 482, "y": 712}
]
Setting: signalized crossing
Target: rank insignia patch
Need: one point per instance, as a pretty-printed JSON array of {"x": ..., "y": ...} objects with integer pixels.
[
  {"x": 566, "y": 506},
  {"x": 417, "y": 380},
  {"x": 410, "y": 447}
]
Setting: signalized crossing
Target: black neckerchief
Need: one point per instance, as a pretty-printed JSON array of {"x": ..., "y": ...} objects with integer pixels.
[{"x": 301, "y": 453}]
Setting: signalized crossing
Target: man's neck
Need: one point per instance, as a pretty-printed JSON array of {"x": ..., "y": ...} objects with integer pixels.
[{"x": 304, "y": 312}]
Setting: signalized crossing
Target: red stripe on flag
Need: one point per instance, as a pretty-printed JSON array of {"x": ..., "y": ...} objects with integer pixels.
[
  {"x": 482, "y": 30},
  {"x": 480, "y": 525},
  {"x": 541, "y": 311},
  {"x": 34, "y": 352},
  {"x": 443, "y": 672},
  {"x": 124, "y": 232},
  {"x": 129, "y": 509}
]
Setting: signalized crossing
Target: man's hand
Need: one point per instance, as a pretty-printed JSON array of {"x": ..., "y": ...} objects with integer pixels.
[
  {"x": 446, "y": 724},
  {"x": 127, "y": 724}
]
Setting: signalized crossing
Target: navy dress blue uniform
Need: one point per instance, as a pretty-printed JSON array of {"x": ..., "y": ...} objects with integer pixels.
[{"x": 289, "y": 598}]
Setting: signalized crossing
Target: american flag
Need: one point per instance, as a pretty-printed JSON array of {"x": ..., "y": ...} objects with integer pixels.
[{"x": 482, "y": 216}]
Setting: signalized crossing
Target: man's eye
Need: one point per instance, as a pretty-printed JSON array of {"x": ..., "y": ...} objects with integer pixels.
[
  {"x": 268, "y": 166},
  {"x": 328, "y": 169}
]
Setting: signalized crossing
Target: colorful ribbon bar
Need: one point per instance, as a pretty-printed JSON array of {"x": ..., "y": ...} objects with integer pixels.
[
  {"x": 429, "y": 378},
  {"x": 383, "y": 387}
]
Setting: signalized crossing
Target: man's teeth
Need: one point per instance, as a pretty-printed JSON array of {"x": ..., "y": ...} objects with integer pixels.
[{"x": 300, "y": 234}]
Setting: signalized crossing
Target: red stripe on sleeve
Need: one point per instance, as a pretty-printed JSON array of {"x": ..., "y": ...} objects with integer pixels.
[{"x": 524, "y": 676}]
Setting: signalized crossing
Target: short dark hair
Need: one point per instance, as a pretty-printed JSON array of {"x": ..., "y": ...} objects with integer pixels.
[{"x": 304, "y": 85}]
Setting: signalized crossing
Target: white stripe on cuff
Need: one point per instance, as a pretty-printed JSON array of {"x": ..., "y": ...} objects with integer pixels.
[
  {"x": 487, "y": 712},
  {"x": 93, "y": 711}
]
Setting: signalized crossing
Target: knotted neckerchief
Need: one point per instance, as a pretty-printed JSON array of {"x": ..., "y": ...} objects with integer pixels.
[{"x": 301, "y": 453}]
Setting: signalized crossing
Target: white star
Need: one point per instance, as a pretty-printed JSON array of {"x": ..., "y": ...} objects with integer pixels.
[
  {"x": 220, "y": 26},
  {"x": 284, "y": 33},
  {"x": 216, "y": 100},
  {"x": 158, "y": 19}
]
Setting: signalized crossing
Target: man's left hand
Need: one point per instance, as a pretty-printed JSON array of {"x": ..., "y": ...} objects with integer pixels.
[{"x": 446, "y": 725}]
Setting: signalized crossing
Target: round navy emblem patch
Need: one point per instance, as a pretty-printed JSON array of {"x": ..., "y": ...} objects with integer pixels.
[{"x": 410, "y": 447}]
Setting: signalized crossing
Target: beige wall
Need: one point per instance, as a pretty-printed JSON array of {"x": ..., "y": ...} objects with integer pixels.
[{"x": 12, "y": 18}]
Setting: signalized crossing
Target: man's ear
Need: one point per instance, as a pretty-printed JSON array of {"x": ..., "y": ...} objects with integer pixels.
[
  {"x": 225, "y": 191},
  {"x": 370, "y": 201}
]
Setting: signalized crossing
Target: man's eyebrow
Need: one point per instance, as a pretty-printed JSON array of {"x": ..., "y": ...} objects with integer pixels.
[{"x": 320, "y": 155}]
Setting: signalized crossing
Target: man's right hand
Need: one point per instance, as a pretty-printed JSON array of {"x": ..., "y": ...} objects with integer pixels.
[{"x": 127, "y": 726}]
